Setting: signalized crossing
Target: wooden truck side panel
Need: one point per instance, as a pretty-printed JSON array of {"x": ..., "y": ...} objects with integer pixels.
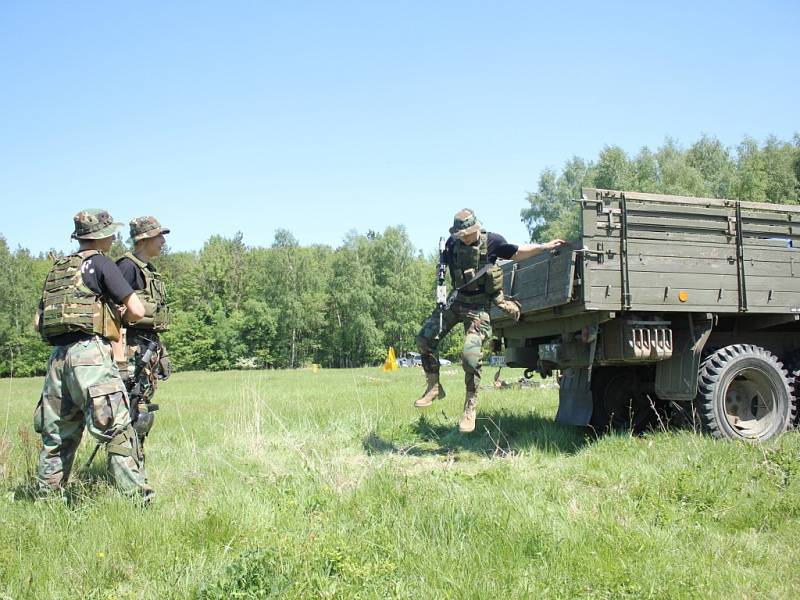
[{"x": 670, "y": 254}]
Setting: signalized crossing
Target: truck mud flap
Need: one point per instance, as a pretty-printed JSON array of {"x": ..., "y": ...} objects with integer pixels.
[{"x": 574, "y": 398}]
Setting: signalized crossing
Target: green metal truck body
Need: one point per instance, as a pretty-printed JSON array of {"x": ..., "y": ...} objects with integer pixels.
[{"x": 656, "y": 294}]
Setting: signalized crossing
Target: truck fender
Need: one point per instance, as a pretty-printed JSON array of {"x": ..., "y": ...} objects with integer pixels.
[{"x": 676, "y": 377}]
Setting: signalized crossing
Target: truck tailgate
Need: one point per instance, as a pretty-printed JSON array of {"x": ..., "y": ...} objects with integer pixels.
[{"x": 540, "y": 282}]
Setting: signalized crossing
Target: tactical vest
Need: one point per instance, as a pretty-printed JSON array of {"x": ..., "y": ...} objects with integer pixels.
[
  {"x": 70, "y": 306},
  {"x": 153, "y": 296},
  {"x": 465, "y": 262}
]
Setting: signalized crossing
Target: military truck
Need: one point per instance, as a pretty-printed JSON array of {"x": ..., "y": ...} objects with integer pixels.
[{"x": 666, "y": 307}]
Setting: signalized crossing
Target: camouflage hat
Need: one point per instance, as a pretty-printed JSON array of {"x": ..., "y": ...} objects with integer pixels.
[
  {"x": 94, "y": 224},
  {"x": 146, "y": 227},
  {"x": 464, "y": 223}
]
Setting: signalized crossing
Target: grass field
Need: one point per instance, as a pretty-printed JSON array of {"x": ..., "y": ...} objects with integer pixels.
[{"x": 302, "y": 485}]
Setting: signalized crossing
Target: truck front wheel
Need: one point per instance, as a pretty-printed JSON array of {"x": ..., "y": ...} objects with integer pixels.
[{"x": 744, "y": 393}]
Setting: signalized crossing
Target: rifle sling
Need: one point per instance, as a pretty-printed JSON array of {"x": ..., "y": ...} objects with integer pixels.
[{"x": 481, "y": 272}]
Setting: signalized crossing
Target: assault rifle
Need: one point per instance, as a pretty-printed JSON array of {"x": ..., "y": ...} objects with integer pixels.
[
  {"x": 441, "y": 288},
  {"x": 142, "y": 421}
]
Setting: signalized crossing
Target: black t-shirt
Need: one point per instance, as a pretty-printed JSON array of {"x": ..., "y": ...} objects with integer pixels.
[
  {"x": 132, "y": 273},
  {"x": 102, "y": 276},
  {"x": 496, "y": 247}
]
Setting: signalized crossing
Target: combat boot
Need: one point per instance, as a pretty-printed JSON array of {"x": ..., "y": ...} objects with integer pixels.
[
  {"x": 434, "y": 391},
  {"x": 467, "y": 422}
]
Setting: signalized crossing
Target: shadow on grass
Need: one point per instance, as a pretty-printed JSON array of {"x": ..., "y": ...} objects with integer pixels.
[
  {"x": 83, "y": 486},
  {"x": 497, "y": 433}
]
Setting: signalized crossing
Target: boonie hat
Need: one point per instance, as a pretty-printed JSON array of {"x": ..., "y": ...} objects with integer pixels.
[
  {"x": 146, "y": 227},
  {"x": 94, "y": 224},
  {"x": 465, "y": 223}
]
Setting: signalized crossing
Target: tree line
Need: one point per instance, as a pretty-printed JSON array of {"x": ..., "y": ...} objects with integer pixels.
[
  {"x": 287, "y": 305},
  {"x": 769, "y": 172}
]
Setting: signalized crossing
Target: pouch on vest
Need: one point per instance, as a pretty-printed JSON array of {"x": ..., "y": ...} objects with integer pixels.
[
  {"x": 148, "y": 320},
  {"x": 468, "y": 275},
  {"x": 107, "y": 321},
  {"x": 494, "y": 281}
]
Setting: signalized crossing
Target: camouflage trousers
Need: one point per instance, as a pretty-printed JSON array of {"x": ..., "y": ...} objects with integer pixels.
[
  {"x": 83, "y": 389},
  {"x": 477, "y": 327}
]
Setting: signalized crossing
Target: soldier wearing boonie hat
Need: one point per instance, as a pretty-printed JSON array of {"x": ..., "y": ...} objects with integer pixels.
[
  {"x": 464, "y": 223},
  {"x": 94, "y": 224},
  {"x": 470, "y": 254},
  {"x": 141, "y": 378},
  {"x": 146, "y": 227},
  {"x": 78, "y": 316}
]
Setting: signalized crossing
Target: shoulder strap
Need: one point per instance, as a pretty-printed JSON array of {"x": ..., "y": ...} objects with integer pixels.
[{"x": 139, "y": 263}]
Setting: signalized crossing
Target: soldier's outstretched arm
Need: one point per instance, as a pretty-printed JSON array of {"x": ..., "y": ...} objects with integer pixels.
[{"x": 527, "y": 250}]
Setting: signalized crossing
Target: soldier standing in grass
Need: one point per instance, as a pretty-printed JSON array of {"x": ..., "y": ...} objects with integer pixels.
[
  {"x": 78, "y": 316},
  {"x": 470, "y": 255},
  {"x": 141, "y": 378}
]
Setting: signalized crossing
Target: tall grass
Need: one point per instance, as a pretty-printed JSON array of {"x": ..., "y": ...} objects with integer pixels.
[{"x": 331, "y": 485}]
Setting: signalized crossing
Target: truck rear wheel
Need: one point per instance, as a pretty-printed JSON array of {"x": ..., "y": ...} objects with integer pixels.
[
  {"x": 744, "y": 393},
  {"x": 620, "y": 400}
]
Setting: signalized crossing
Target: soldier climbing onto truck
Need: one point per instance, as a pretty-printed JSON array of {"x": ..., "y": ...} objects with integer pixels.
[{"x": 469, "y": 254}]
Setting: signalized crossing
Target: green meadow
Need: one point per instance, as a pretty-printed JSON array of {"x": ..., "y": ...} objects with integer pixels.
[{"x": 295, "y": 484}]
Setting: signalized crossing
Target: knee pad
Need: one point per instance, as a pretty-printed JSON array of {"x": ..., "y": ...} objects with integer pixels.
[{"x": 124, "y": 443}]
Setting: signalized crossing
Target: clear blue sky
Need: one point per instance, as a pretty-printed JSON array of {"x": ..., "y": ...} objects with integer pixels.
[{"x": 323, "y": 117}]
